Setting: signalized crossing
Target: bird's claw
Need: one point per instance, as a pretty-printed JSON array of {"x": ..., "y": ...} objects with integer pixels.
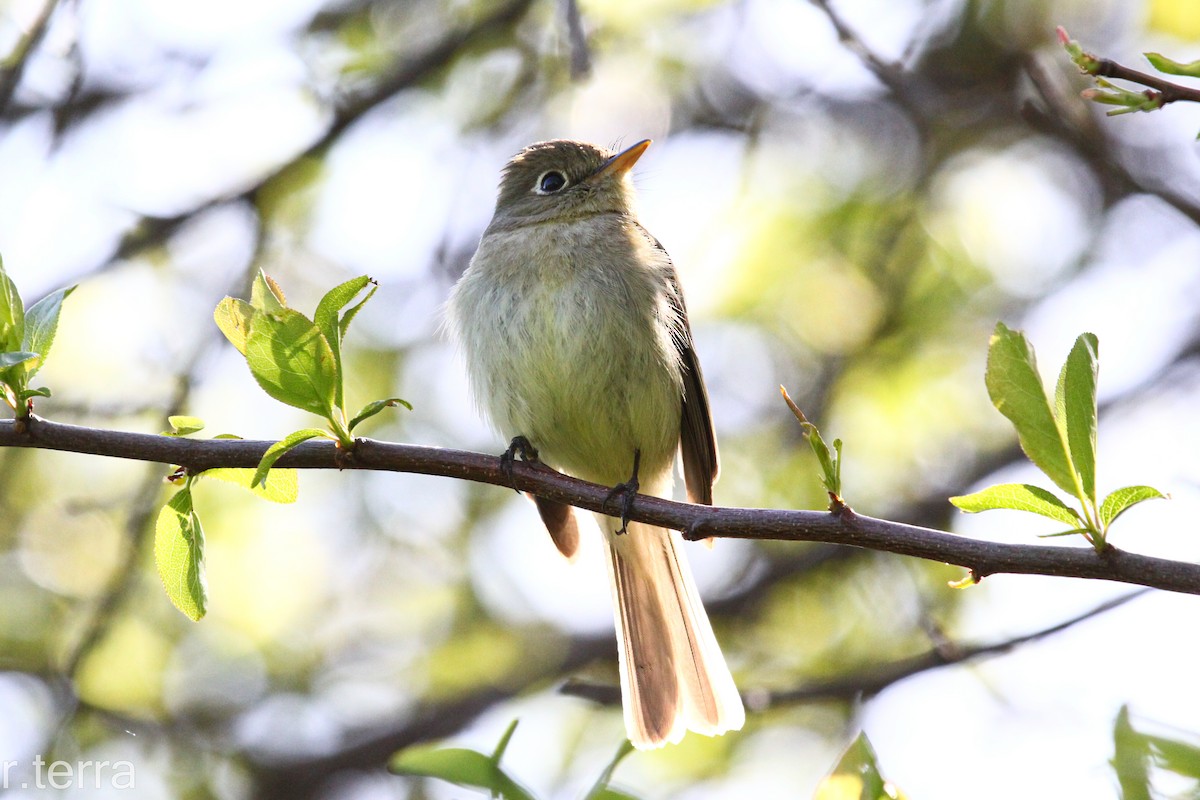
[
  {"x": 627, "y": 491},
  {"x": 519, "y": 446}
]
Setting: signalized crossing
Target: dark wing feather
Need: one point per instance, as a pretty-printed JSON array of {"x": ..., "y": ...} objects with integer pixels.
[{"x": 698, "y": 442}]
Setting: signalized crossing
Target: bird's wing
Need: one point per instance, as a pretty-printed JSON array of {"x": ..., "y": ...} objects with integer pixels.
[{"x": 698, "y": 442}]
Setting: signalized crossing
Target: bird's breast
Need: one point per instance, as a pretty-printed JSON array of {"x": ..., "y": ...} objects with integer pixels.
[{"x": 572, "y": 347}]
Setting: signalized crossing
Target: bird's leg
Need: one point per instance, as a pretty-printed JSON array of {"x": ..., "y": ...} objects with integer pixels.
[
  {"x": 518, "y": 446},
  {"x": 627, "y": 491}
]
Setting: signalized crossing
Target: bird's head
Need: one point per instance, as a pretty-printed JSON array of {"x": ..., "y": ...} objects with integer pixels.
[{"x": 562, "y": 180}]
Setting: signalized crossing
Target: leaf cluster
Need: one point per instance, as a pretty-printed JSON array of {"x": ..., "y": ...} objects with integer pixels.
[
  {"x": 1059, "y": 438},
  {"x": 25, "y": 339},
  {"x": 1127, "y": 101},
  {"x": 830, "y": 460},
  {"x": 297, "y": 360}
]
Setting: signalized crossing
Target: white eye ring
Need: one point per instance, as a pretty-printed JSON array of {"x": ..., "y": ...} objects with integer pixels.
[{"x": 540, "y": 187}]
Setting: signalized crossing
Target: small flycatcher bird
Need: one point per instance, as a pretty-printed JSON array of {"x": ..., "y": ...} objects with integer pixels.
[{"x": 574, "y": 331}]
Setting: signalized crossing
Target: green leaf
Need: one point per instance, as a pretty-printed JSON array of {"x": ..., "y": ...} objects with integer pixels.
[
  {"x": 12, "y": 313},
  {"x": 182, "y": 426},
  {"x": 1131, "y": 759},
  {"x": 266, "y": 295},
  {"x": 41, "y": 324},
  {"x": 1018, "y": 497},
  {"x": 600, "y": 790},
  {"x": 292, "y": 361},
  {"x": 831, "y": 464},
  {"x": 505, "y": 738},
  {"x": 1072, "y": 532},
  {"x": 13, "y": 358},
  {"x": 326, "y": 318},
  {"x": 1136, "y": 752},
  {"x": 373, "y": 408},
  {"x": 1016, "y": 390},
  {"x": 1121, "y": 500},
  {"x": 1182, "y": 758},
  {"x": 1075, "y": 404},
  {"x": 279, "y": 448},
  {"x": 349, "y": 316},
  {"x": 608, "y": 793},
  {"x": 283, "y": 486},
  {"x": 1171, "y": 67},
  {"x": 836, "y": 488},
  {"x": 234, "y": 318},
  {"x": 1085, "y": 61},
  {"x": 15, "y": 369},
  {"x": 334, "y": 301},
  {"x": 821, "y": 451},
  {"x": 462, "y": 767},
  {"x": 965, "y": 582},
  {"x": 856, "y": 776},
  {"x": 179, "y": 555},
  {"x": 1110, "y": 99}
]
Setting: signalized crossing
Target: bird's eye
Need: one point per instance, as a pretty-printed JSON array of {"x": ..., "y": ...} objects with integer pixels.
[{"x": 550, "y": 182}]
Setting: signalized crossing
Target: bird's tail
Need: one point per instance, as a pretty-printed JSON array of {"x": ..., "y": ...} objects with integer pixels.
[{"x": 673, "y": 676}]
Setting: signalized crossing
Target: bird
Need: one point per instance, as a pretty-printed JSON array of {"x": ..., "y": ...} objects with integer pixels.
[{"x": 571, "y": 321}]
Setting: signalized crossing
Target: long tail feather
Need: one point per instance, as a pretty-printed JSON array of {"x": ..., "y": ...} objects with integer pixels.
[{"x": 673, "y": 676}]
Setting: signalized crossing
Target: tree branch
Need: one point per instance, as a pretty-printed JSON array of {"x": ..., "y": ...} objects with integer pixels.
[
  {"x": 1168, "y": 92},
  {"x": 872, "y": 681},
  {"x": 302, "y": 778},
  {"x": 1161, "y": 92},
  {"x": 14, "y": 64},
  {"x": 1060, "y": 122},
  {"x": 697, "y": 522},
  {"x": 887, "y": 73}
]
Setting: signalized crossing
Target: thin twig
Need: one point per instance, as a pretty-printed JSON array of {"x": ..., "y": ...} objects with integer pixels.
[
  {"x": 872, "y": 681},
  {"x": 890, "y": 74},
  {"x": 10, "y": 75},
  {"x": 1093, "y": 146},
  {"x": 1169, "y": 92},
  {"x": 581, "y": 59}
]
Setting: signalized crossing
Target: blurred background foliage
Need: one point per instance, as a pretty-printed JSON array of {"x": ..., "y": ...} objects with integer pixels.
[{"x": 853, "y": 196}]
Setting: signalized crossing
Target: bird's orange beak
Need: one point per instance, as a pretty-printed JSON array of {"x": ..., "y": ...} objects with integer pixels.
[{"x": 619, "y": 164}]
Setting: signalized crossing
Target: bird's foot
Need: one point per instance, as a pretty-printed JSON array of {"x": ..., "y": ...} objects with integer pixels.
[
  {"x": 519, "y": 446},
  {"x": 627, "y": 492}
]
